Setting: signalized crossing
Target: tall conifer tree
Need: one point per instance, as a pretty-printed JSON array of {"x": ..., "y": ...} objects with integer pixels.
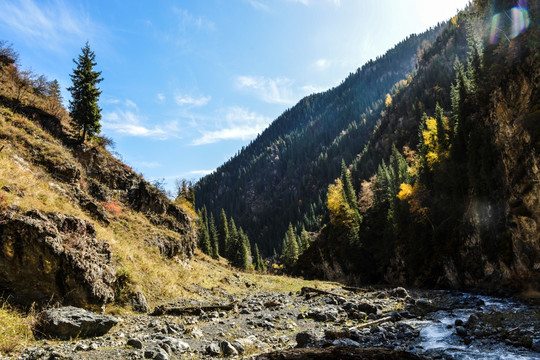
[{"x": 83, "y": 107}]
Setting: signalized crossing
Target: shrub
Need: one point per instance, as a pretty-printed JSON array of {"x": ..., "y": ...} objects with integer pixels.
[{"x": 113, "y": 208}]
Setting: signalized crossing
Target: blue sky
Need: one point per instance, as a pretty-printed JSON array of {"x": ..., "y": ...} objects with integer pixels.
[{"x": 188, "y": 83}]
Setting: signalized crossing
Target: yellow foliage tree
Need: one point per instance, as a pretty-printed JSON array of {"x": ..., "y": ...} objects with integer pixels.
[
  {"x": 415, "y": 195},
  {"x": 388, "y": 100},
  {"x": 341, "y": 215},
  {"x": 434, "y": 149}
]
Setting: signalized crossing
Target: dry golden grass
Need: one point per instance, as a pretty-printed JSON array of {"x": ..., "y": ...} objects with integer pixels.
[{"x": 15, "y": 329}]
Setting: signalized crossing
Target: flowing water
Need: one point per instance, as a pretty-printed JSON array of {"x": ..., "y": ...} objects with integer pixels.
[{"x": 439, "y": 338}]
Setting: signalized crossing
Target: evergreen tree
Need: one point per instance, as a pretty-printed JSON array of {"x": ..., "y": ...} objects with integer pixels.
[
  {"x": 223, "y": 234},
  {"x": 257, "y": 259},
  {"x": 304, "y": 240},
  {"x": 241, "y": 258},
  {"x": 204, "y": 237},
  {"x": 348, "y": 190},
  {"x": 290, "y": 247},
  {"x": 85, "y": 94},
  {"x": 214, "y": 246},
  {"x": 232, "y": 245}
]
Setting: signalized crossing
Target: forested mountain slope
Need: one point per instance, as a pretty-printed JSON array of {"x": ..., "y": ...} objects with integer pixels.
[
  {"x": 448, "y": 187},
  {"x": 282, "y": 176}
]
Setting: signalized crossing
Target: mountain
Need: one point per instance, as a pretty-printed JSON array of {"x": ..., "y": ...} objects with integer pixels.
[
  {"x": 282, "y": 176},
  {"x": 77, "y": 226},
  {"x": 439, "y": 183},
  {"x": 448, "y": 185}
]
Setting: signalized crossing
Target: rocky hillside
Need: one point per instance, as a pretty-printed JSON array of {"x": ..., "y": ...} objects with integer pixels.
[{"x": 77, "y": 226}]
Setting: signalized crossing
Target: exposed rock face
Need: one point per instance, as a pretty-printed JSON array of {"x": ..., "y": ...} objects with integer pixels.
[
  {"x": 70, "y": 322},
  {"x": 109, "y": 176},
  {"x": 48, "y": 256}
]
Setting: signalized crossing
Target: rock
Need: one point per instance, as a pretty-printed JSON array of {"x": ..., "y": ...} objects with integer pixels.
[
  {"x": 197, "y": 333},
  {"x": 398, "y": 292},
  {"x": 50, "y": 256},
  {"x": 139, "y": 303},
  {"x": 461, "y": 331},
  {"x": 367, "y": 308},
  {"x": 213, "y": 349},
  {"x": 340, "y": 352},
  {"x": 247, "y": 341},
  {"x": 334, "y": 334},
  {"x": 70, "y": 322},
  {"x": 170, "y": 344},
  {"x": 345, "y": 342},
  {"x": 535, "y": 346},
  {"x": 239, "y": 347},
  {"x": 135, "y": 343},
  {"x": 227, "y": 348},
  {"x": 306, "y": 339},
  {"x": 156, "y": 353},
  {"x": 472, "y": 321}
]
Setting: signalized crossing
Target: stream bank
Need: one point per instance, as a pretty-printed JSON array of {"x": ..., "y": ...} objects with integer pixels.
[{"x": 424, "y": 324}]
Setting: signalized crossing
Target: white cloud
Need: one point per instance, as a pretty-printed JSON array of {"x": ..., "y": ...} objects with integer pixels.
[
  {"x": 130, "y": 124},
  {"x": 160, "y": 97},
  {"x": 200, "y": 172},
  {"x": 130, "y": 103},
  {"x": 259, "y": 5},
  {"x": 238, "y": 124},
  {"x": 274, "y": 91},
  {"x": 312, "y": 89},
  {"x": 183, "y": 100},
  {"x": 189, "y": 20},
  {"x": 303, "y": 2},
  {"x": 322, "y": 64},
  {"x": 49, "y": 25}
]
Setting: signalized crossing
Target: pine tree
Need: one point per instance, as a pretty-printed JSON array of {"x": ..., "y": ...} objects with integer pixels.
[
  {"x": 348, "y": 190},
  {"x": 85, "y": 94},
  {"x": 223, "y": 234},
  {"x": 233, "y": 240},
  {"x": 290, "y": 250},
  {"x": 304, "y": 240},
  {"x": 214, "y": 247},
  {"x": 241, "y": 258},
  {"x": 204, "y": 237},
  {"x": 257, "y": 260}
]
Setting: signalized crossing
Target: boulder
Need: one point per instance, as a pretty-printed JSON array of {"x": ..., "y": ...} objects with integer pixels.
[
  {"x": 307, "y": 338},
  {"x": 70, "y": 322},
  {"x": 227, "y": 348},
  {"x": 56, "y": 256},
  {"x": 139, "y": 303},
  {"x": 398, "y": 292}
]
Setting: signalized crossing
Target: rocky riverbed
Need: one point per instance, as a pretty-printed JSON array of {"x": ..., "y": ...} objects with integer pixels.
[{"x": 261, "y": 325}]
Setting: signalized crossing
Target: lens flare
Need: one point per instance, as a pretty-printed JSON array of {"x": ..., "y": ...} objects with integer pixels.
[
  {"x": 520, "y": 21},
  {"x": 510, "y": 23},
  {"x": 495, "y": 33}
]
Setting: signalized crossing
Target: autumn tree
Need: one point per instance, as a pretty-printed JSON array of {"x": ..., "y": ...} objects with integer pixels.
[{"x": 83, "y": 106}]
